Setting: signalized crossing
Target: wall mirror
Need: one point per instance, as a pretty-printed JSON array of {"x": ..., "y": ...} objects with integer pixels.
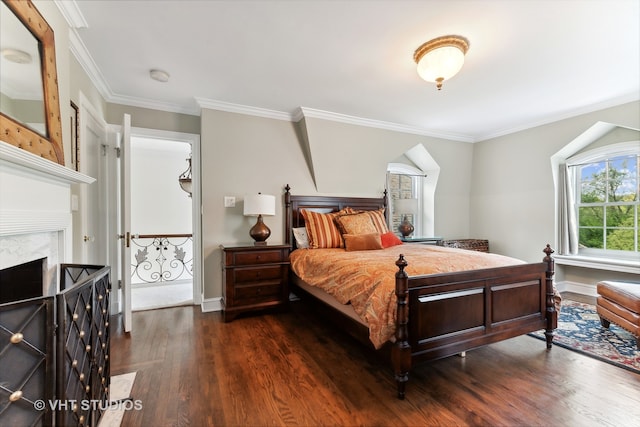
[{"x": 29, "y": 102}]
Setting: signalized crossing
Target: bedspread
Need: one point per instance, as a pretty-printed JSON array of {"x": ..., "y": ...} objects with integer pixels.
[{"x": 366, "y": 279}]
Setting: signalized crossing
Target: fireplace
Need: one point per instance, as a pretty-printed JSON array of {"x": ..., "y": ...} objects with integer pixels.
[
  {"x": 54, "y": 316},
  {"x": 23, "y": 281}
]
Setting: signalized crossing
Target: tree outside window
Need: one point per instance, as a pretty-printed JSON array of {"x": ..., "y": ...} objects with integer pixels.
[{"x": 607, "y": 205}]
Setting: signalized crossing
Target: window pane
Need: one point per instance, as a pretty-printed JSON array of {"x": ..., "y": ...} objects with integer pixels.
[
  {"x": 620, "y": 216},
  {"x": 591, "y": 238},
  {"x": 620, "y": 239},
  {"x": 591, "y": 216},
  {"x": 623, "y": 179},
  {"x": 592, "y": 183}
]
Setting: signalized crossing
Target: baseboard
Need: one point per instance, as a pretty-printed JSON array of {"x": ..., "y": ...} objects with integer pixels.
[
  {"x": 577, "y": 288},
  {"x": 211, "y": 304}
]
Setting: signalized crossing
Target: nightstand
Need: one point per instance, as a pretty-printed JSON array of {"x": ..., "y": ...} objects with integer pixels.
[
  {"x": 439, "y": 241},
  {"x": 254, "y": 278}
]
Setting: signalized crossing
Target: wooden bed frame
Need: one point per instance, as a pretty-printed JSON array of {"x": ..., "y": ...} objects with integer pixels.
[{"x": 442, "y": 315}]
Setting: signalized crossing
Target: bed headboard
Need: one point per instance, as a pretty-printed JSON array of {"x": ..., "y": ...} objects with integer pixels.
[{"x": 325, "y": 204}]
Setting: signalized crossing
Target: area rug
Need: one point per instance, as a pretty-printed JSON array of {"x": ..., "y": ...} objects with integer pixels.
[
  {"x": 120, "y": 392},
  {"x": 579, "y": 330}
]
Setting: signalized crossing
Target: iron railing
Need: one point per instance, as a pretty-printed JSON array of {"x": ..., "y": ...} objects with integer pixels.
[{"x": 161, "y": 257}]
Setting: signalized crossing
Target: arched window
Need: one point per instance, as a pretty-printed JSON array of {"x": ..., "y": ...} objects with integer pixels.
[{"x": 606, "y": 184}]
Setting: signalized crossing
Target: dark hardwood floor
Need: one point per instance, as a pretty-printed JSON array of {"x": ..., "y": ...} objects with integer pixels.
[{"x": 290, "y": 369}]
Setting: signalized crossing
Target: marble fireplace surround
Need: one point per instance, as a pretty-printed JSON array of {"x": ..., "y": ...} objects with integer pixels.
[{"x": 35, "y": 211}]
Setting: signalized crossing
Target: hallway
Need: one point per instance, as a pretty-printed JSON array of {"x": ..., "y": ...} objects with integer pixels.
[{"x": 150, "y": 297}]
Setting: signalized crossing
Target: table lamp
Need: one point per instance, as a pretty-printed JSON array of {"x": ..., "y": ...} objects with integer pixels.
[{"x": 258, "y": 205}]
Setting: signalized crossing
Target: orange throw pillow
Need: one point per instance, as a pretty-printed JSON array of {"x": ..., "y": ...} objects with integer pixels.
[
  {"x": 390, "y": 239},
  {"x": 362, "y": 242}
]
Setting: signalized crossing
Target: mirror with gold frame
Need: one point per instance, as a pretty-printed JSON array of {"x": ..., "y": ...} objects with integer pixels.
[{"x": 19, "y": 118}]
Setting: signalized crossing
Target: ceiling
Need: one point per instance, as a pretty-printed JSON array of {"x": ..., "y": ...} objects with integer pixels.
[{"x": 529, "y": 62}]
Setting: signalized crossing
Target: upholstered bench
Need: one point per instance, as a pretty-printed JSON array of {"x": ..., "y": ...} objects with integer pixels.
[{"x": 619, "y": 302}]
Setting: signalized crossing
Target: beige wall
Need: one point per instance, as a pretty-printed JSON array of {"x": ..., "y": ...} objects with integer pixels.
[
  {"x": 153, "y": 119},
  {"x": 81, "y": 83},
  {"x": 512, "y": 193},
  {"x": 244, "y": 154},
  {"x": 500, "y": 189}
]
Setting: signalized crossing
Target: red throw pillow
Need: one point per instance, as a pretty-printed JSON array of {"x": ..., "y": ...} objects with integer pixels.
[{"x": 390, "y": 239}]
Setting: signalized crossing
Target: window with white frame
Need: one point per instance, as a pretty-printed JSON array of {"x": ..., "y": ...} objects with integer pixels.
[{"x": 606, "y": 190}]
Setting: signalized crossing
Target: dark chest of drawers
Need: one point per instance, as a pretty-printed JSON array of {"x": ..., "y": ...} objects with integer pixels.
[{"x": 254, "y": 278}]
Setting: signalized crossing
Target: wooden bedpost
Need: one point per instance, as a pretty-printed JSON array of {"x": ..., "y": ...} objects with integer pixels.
[
  {"x": 552, "y": 314},
  {"x": 401, "y": 351},
  {"x": 287, "y": 214}
]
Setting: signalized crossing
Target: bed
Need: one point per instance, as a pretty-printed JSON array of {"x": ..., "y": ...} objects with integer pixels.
[{"x": 433, "y": 315}]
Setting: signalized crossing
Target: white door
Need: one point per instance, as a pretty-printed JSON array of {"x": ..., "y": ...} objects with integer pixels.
[
  {"x": 125, "y": 220},
  {"x": 90, "y": 241}
]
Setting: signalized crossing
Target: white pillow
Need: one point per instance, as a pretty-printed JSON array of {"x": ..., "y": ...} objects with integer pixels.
[{"x": 302, "y": 240}]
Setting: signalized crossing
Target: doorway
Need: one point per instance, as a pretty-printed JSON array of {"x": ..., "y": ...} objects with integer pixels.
[{"x": 163, "y": 241}]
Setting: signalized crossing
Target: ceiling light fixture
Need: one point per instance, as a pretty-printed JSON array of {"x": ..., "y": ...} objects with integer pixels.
[
  {"x": 17, "y": 56},
  {"x": 185, "y": 179},
  {"x": 159, "y": 75},
  {"x": 441, "y": 58}
]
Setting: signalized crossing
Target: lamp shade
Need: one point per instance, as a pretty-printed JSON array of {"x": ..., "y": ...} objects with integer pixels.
[
  {"x": 259, "y": 204},
  {"x": 405, "y": 206}
]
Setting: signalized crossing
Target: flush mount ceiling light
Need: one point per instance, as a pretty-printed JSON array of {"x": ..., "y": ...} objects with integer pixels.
[
  {"x": 17, "y": 56},
  {"x": 441, "y": 58},
  {"x": 159, "y": 75}
]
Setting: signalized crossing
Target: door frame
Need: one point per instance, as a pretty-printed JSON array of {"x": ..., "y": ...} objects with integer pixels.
[{"x": 196, "y": 197}]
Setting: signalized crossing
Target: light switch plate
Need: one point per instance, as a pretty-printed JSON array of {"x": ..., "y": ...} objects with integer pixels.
[{"x": 229, "y": 202}]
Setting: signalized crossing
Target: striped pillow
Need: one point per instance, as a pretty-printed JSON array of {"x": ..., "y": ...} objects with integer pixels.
[{"x": 322, "y": 230}]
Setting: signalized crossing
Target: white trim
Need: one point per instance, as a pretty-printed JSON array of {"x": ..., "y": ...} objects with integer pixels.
[
  {"x": 607, "y": 264},
  {"x": 608, "y": 151},
  {"x": 82, "y": 55},
  {"x": 211, "y": 304},
  {"x": 212, "y": 104},
  {"x": 24, "y": 222},
  {"x": 71, "y": 12},
  {"x": 614, "y": 102},
  {"x": 359, "y": 121},
  {"x": 577, "y": 288},
  {"x": 23, "y": 159}
]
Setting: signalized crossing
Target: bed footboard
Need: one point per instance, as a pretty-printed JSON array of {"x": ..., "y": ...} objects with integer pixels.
[{"x": 445, "y": 314}]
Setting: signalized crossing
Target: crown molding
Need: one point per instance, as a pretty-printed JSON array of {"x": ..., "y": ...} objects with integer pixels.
[
  {"x": 71, "y": 12},
  {"x": 81, "y": 53},
  {"x": 153, "y": 104},
  {"x": 613, "y": 102},
  {"x": 212, "y": 104},
  {"x": 359, "y": 121}
]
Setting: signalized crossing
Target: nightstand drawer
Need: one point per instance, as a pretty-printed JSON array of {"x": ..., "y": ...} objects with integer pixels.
[
  {"x": 257, "y": 257},
  {"x": 258, "y": 293},
  {"x": 257, "y": 274}
]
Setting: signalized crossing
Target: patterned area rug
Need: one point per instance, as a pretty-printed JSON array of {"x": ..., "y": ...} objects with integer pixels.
[{"x": 579, "y": 329}]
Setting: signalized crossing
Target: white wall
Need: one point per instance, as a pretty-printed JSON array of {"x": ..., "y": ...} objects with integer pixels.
[{"x": 158, "y": 204}]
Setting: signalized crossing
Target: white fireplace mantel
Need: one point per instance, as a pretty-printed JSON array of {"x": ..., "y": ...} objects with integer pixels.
[
  {"x": 35, "y": 209},
  {"x": 35, "y": 192}
]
